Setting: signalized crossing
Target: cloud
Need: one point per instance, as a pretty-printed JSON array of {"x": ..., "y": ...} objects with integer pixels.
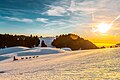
[
  {"x": 74, "y": 12},
  {"x": 81, "y": 6},
  {"x": 26, "y": 20},
  {"x": 44, "y": 20},
  {"x": 55, "y": 11}
]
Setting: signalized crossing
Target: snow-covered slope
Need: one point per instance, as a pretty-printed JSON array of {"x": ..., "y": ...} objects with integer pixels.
[
  {"x": 47, "y": 40},
  {"x": 12, "y": 49},
  {"x": 23, "y": 51},
  {"x": 99, "y": 64},
  {"x": 7, "y": 53},
  {"x": 40, "y": 51}
]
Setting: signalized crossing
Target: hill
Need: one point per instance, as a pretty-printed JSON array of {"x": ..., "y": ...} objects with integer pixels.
[
  {"x": 18, "y": 51},
  {"x": 73, "y": 41},
  {"x": 99, "y": 64}
]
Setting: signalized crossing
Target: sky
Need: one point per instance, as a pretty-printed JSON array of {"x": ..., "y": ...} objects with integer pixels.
[{"x": 55, "y": 17}]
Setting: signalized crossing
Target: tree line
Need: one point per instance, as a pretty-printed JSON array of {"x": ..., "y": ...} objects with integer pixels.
[
  {"x": 72, "y": 41},
  {"x": 66, "y": 40},
  {"x": 7, "y": 40}
]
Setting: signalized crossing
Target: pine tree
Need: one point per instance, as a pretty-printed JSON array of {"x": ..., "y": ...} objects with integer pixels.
[
  {"x": 43, "y": 44},
  {"x": 72, "y": 41}
]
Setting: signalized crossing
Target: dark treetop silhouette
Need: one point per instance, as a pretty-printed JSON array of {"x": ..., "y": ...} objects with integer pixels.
[
  {"x": 73, "y": 41},
  {"x": 7, "y": 40}
]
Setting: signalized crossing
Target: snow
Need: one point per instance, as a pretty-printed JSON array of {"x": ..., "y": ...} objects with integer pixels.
[
  {"x": 97, "y": 64},
  {"x": 67, "y": 49},
  {"x": 40, "y": 51},
  {"x": 12, "y": 49},
  {"x": 7, "y": 53},
  {"x": 47, "y": 40},
  {"x": 23, "y": 51}
]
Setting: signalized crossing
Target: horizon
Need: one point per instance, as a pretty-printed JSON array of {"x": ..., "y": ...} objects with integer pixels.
[
  {"x": 99, "y": 44},
  {"x": 94, "y": 20}
]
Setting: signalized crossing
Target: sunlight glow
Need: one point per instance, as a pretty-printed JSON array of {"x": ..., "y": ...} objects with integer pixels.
[
  {"x": 103, "y": 27},
  {"x": 74, "y": 37}
]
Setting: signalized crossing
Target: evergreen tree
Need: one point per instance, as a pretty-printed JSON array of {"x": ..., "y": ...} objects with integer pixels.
[
  {"x": 72, "y": 41},
  {"x": 7, "y": 40},
  {"x": 43, "y": 44}
]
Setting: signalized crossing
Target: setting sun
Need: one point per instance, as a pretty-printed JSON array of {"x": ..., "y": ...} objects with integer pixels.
[{"x": 103, "y": 27}]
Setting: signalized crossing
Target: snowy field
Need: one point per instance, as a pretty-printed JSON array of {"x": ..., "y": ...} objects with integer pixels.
[{"x": 97, "y": 64}]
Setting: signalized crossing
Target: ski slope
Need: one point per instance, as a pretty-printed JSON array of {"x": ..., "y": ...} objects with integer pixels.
[{"x": 97, "y": 64}]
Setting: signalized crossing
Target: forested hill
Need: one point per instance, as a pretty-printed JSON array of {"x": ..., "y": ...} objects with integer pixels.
[
  {"x": 7, "y": 40},
  {"x": 73, "y": 41}
]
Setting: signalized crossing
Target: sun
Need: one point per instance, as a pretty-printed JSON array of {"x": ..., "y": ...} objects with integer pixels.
[{"x": 103, "y": 27}]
